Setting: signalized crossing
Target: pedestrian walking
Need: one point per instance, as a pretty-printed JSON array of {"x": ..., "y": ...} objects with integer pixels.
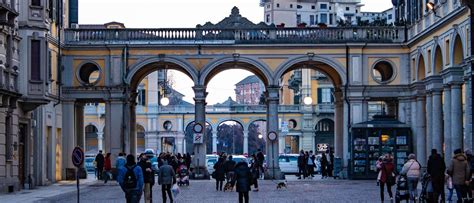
[
  {"x": 437, "y": 168},
  {"x": 107, "y": 168},
  {"x": 412, "y": 171},
  {"x": 255, "y": 170},
  {"x": 324, "y": 164},
  {"x": 261, "y": 160},
  {"x": 242, "y": 180},
  {"x": 378, "y": 166},
  {"x": 310, "y": 163},
  {"x": 229, "y": 167},
  {"x": 301, "y": 165},
  {"x": 99, "y": 160},
  {"x": 470, "y": 161},
  {"x": 450, "y": 187},
  {"x": 148, "y": 176},
  {"x": 219, "y": 173},
  {"x": 130, "y": 178},
  {"x": 120, "y": 161},
  {"x": 166, "y": 178},
  {"x": 331, "y": 164},
  {"x": 387, "y": 178},
  {"x": 459, "y": 170}
]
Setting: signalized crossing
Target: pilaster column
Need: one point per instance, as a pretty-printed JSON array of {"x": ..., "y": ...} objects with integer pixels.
[
  {"x": 448, "y": 150},
  {"x": 246, "y": 142},
  {"x": 429, "y": 122},
  {"x": 420, "y": 129},
  {"x": 338, "y": 124},
  {"x": 467, "y": 114},
  {"x": 214, "y": 141},
  {"x": 456, "y": 117},
  {"x": 199, "y": 160},
  {"x": 437, "y": 121},
  {"x": 132, "y": 136},
  {"x": 100, "y": 138},
  {"x": 69, "y": 135},
  {"x": 114, "y": 125},
  {"x": 272, "y": 99},
  {"x": 79, "y": 116}
]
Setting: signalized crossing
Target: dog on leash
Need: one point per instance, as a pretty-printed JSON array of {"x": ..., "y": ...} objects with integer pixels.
[
  {"x": 281, "y": 185},
  {"x": 228, "y": 187}
]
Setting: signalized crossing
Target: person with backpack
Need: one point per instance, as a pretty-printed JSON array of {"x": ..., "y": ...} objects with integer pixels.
[
  {"x": 130, "y": 178},
  {"x": 436, "y": 169},
  {"x": 411, "y": 170},
  {"x": 120, "y": 161},
  {"x": 166, "y": 178}
]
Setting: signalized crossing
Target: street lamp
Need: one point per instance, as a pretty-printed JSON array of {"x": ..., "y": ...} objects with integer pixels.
[
  {"x": 260, "y": 136},
  {"x": 307, "y": 100},
  {"x": 164, "y": 101},
  {"x": 431, "y": 7}
]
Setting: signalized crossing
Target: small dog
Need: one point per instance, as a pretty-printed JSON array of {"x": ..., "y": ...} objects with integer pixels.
[
  {"x": 228, "y": 187},
  {"x": 281, "y": 185}
]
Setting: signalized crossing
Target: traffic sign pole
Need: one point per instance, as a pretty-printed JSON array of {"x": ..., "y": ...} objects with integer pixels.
[{"x": 77, "y": 160}]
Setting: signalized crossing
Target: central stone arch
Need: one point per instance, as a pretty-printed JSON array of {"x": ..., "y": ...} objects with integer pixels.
[{"x": 236, "y": 61}]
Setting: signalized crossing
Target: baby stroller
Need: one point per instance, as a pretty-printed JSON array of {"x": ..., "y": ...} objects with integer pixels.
[
  {"x": 402, "y": 192},
  {"x": 183, "y": 175},
  {"x": 426, "y": 188}
]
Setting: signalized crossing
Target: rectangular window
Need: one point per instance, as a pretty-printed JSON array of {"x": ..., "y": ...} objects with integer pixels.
[
  {"x": 291, "y": 5},
  {"x": 278, "y": 5},
  {"x": 390, "y": 16},
  {"x": 324, "y": 18},
  {"x": 323, "y": 6},
  {"x": 311, "y": 20},
  {"x": 326, "y": 95},
  {"x": 35, "y": 60},
  {"x": 268, "y": 18},
  {"x": 313, "y": 7},
  {"x": 141, "y": 98},
  {"x": 36, "y": 2},
  {"x": 299, "y": 6},
  {"x": 298, "y": 19},
  {"x": 347, "y": 8},
  {"x": 330, "y": 19}
]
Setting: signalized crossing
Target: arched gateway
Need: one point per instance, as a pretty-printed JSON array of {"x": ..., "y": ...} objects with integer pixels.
[{"x": 121, "y": 58}]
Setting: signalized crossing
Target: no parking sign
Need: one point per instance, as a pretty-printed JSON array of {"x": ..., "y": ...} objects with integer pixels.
[{"x": 77, "y": 156}]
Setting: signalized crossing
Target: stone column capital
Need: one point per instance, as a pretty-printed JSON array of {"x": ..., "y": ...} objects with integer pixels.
[{"x": 420, "y": 98}]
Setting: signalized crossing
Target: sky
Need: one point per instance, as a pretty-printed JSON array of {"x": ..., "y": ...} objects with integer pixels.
[{"x": 186, "y": 13}]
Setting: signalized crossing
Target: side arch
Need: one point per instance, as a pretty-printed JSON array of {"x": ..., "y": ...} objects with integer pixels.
[
  {"x": 421, "y": 67},
  {"x": 437, "y": 59},
  {"x": 141, "y": 69},
  {"x": 457, "y": 49},
  {"x": 335, "y": 71},
  {"x": 255, "y": 66}
]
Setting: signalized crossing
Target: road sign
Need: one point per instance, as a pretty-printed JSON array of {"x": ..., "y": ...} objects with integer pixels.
[
  {"x": 77, "y": 156},
  {"x": 198, "y": 138}
]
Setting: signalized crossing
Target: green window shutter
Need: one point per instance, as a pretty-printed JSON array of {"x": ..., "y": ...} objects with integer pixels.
[
  {"x": 73, "y": 12},
  {"x": 320, "y": 95}
]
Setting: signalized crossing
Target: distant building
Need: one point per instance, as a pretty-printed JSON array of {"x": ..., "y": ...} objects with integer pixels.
[{"x": 249, "y": 90}]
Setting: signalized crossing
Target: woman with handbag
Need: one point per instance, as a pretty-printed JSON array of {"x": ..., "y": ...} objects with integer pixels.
[
  {"x": 411, "y": 170},
  {"x": 387, "y": 177}
]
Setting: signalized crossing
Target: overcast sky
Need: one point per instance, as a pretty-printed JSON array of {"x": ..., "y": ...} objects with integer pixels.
[{"x": 185, "y": 13}]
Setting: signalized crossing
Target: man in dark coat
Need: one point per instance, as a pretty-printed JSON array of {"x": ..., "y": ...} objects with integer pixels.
[
  {"x": 324, "y": 163},
  {"x": 242, "y": 181},
  {"x": 301, "y": 165},
  {"x": 219, "y": 173},
  {"x": 436, "y": 169},
  {"x": 148, "y": 175},
  {"x": 99, "y": 160},
  {"x": 260, "y": 160},
  {"x": 229, "y": 166}
]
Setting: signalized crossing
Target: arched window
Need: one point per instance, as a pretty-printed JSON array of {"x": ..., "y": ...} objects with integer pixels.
[{"x": 325, "y": 125}]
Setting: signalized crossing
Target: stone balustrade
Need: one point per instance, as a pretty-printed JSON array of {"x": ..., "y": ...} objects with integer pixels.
[{"x": 235, "y": 36}]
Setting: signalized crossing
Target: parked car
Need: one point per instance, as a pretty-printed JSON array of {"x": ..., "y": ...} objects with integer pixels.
[
  {"x": 288, "y": 163},
  {"x": 210, "y": 161},
  {"x": 89, "y": 163}
]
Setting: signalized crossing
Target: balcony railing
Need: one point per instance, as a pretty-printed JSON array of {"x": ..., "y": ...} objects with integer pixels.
[{"x": 235, "y": 36}]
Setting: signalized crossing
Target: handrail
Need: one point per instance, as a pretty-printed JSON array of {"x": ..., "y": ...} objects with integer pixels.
[{"x": 235, "y": 36}]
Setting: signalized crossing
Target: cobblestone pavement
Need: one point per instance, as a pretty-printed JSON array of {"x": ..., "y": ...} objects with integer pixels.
[{"x": 298, "y": 191}]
